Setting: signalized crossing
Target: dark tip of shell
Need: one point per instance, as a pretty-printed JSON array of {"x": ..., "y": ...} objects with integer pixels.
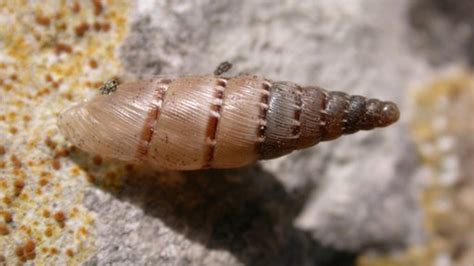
[{"x": 389, "y": 114}]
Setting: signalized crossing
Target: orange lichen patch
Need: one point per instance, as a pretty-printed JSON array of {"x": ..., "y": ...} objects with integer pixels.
[
  {"x": 43, "y": 181},
  {"x": 97, "y": 84},
  {"x": 61, "y": 27},
  {"x": 56, "y": 164},
  {"x": 106, "y": 26},
  {"x": 27, "y": 251},
  {"x": 55, "y": 85},
  {"x": 48, "y": 232},
  {"x": 29, "y": 246},
  {"x": 76, "y": 7},
  {"x": 7, "y": 200},
  {"x": 81, "y": 29},
  {"x": 68, "y": 96},
  {"x": 59, "y": 217},
  {"x": 7, "y": 87},
  {"x": 4, "y": 229},
  {"x": 93, "y": 63},
  {"x": 45, "y": 67},
  {"x": 7, "y": 216},
  {"x": 43, "y": 20},
  {"x": 70, "y": 252},
  {"x": 11, "y": 116},
  {"x": 42, "y": 92},
  {"x": 82, "y": 231},
  {"x": 3, "y": 184},
  {"x": 13, "y": 130},
  {"x": 31, "y": 256},
  {"x": 97, "y": 26},
  {"x": 50, "y": 143},
  {"x": 48, "y": 78},
  {"x": 45, "y": 174},
  {"x": 15, "y": 161},
  {"x": 18, "y": 186},
  {"x": 101, "y": 26},
  {"x": 19, "y": 251},
  {"x": 75, "y": 171},
  {"x": 63, "y": 48},
  {"x": 53, "y": 251},
  {"x": 98, "y": 7},
  {"x": 46, "y": 213}
]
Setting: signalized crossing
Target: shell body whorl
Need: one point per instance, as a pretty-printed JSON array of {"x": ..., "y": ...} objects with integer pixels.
[{"x": 198, "y": 122}]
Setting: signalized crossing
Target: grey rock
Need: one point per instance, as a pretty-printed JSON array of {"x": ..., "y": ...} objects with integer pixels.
[{"x": 216, "y": 217}]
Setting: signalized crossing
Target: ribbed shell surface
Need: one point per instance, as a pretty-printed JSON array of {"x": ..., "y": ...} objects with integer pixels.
[
  {"x": 187, "y": 123},
  {"x": 111, "y": 125},
  {"x": 200, "y": 122},
  {"x": 179, "y": 135}
]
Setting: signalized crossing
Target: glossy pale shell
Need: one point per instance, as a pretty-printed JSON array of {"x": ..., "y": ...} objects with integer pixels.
[{"x": 200, "y": 122}]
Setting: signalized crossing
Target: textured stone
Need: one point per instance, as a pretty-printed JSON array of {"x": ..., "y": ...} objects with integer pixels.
[
  {"x": 321, "y": 206},
  {"x": 363, "y": 195},
  {"x": 216, "y": 217}
]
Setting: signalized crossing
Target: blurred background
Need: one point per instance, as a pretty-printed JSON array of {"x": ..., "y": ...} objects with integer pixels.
[{"x": 402, "y": 195}]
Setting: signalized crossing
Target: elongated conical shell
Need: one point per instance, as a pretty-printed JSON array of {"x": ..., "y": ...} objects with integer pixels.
[{"x": 199, "y": 122}]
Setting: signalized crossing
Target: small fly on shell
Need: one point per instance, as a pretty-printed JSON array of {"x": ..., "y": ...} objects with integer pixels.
[
  {"x": 200, "y": 122},
  {"x": 109, "y": 87}
]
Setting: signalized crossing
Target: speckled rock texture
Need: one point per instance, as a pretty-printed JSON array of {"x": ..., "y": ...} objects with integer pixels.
[
  {"x": 363, "y": 193},
  {"x": 383, "y": 197}
]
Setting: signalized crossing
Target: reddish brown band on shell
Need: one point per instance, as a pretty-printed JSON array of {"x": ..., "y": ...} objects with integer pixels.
[
  {"x": 211, "y": 131},
  {"x": 151, "y": 120},
  {"x": 263, "y": 110}
]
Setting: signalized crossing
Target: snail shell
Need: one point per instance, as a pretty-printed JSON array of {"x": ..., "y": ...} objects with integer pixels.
[{"x": 199, "y": 122}]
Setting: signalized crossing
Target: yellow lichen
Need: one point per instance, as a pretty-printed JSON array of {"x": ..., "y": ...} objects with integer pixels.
[{"x": 45, "y": 66}]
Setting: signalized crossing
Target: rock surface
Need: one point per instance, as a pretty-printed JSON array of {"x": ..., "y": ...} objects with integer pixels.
[
  {"x": 360, "y": 189},
  {"x": 363, "y": 192},
  {"x": 326, "y": 205}
]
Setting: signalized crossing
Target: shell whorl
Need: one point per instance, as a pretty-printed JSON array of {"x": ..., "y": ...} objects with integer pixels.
[{"x": 346, "y": 114}]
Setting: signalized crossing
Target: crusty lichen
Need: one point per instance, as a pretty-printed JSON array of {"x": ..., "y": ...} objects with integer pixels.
[
  {"x": 442, "y": 128},
  {"x": 52, "y": 53}
]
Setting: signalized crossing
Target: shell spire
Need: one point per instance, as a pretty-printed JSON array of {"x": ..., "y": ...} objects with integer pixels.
[{"x": 345, "y": 114}]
